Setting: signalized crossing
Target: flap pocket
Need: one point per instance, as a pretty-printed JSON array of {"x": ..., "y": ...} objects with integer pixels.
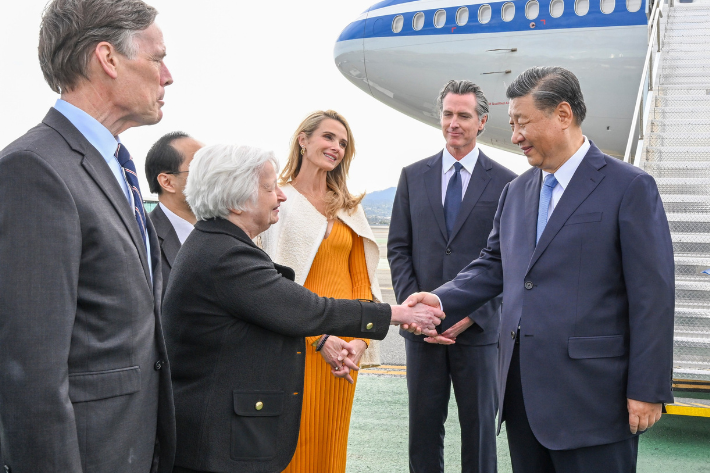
[
  {"x": 258, "y": 403},
  {"x": 584, "y": 218},
  {"x": 608, "y": 346},
  {"x": 95, "y": 385}
]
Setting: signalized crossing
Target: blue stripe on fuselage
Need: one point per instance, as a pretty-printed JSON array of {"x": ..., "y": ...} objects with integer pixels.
[
  {"x": 381, "y": 27},
  {"x": 388, "y": 3}
]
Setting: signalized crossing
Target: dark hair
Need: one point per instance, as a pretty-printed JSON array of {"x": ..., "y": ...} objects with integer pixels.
[
  {"x": 163, "y": 158},
  {"x": 71, "y": 29},
  {"x": 550, "y": 86},
  {"x": 463, "y": 87}
]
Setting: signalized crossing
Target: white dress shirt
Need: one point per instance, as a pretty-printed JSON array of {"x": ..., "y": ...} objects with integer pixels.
[
  {"x": 182, "y": 227},
  {"x": 447, "y": 170},
  {"x": 564, "y": 175}
]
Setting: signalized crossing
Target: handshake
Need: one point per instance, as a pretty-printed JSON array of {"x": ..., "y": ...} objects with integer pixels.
[{"x": 420, "y": 314}]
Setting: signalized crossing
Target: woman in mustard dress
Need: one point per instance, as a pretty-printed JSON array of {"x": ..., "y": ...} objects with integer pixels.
[{"x": 324, "y": 236}]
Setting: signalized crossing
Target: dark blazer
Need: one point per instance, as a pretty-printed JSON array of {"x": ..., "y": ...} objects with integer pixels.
[
  {"x": 235, "y": 327},
  {"x": 84, "y": 379},
  {"x": 421, "y": 255},
  {"x": 169, "y": 242},
  {"x": 594, "y": 300}
]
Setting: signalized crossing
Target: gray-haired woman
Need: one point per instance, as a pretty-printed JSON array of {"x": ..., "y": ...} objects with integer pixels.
[{"x": 235, "y": 322}]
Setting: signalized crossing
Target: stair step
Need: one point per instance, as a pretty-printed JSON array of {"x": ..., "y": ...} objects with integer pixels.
[
  {"x": 678, "y": 141},
  {"x": 682, "y": 101},
  {"x": 680, "y": 90},
  {"x": 686, "y": 217},
  {"x": 696, "y": 125},
  {"x": 689, "y": 265},
  {"x": 680, "y": 112},
  {"x": 690, "y": 237}
]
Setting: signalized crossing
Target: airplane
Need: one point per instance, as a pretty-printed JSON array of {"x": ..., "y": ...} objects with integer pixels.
[{"x": 402, "y": 52}]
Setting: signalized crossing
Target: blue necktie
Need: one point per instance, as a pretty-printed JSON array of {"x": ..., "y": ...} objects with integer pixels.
[
  {"x": 544, "y": 208},
  {"x": 126, "y": 162},
  {"x": 452, "y": 201}
]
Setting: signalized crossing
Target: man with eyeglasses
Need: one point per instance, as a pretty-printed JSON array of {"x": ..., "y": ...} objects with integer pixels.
[{"x": 167, "y": 168}]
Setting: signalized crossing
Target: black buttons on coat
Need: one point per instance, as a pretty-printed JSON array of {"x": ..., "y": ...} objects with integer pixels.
[
  {"x": 448, "y": 251},
  {"x": 528, "y": 285},
  {"x": 158, "y": 365}
]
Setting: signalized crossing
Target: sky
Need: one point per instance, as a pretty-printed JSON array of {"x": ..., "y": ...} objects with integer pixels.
[{"x": 245, "y": 73}]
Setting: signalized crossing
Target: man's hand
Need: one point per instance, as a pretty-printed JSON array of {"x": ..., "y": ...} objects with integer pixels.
[
  {"x": 337, "y": 353},
  {"x": 449, "y": 336},
  {"x": 423, "y": 297},
  {"x": 418, "y": 318},
  {"x": 642, "y": 415}
]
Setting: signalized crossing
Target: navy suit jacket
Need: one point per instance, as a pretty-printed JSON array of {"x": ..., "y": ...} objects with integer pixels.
[
  {"x": 594, "y": 300},
  {"x": 421, "y": 255}
]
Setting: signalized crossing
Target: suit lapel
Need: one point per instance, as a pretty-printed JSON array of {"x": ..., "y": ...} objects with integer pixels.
[
  {"x": 584, "y": 181},
  {"x": 532, "y": 201},
  {"x": 476, "y": 186},
  {"x": 95, "y": 165},
  {"x": 432, "y": 184},
  {"x": 169, "y": 241}
]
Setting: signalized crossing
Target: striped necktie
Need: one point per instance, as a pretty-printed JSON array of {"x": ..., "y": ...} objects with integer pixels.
[{"x": 129, "y": 168}]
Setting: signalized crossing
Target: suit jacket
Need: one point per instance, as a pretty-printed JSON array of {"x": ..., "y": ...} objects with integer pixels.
[
  {"x": 594, "y": 300},
  {"x": 235, "y": 327},
  {"x": 169, "y": 242},
  {"x": 422, "y": 256},
  {"x": 80, "y": 332}
]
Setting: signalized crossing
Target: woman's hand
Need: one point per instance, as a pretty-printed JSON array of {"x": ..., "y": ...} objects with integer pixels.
[
  {"x": 417, "y": 317},
  {"x": 339, "y": 355}
]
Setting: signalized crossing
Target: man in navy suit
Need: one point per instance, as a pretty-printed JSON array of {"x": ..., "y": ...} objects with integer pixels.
[
  {"x": 582, "y": 251},
  {"x": 442, "y": 215}
]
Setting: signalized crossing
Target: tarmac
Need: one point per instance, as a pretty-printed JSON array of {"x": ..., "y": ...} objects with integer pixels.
[{"x": 379, "y": 428}]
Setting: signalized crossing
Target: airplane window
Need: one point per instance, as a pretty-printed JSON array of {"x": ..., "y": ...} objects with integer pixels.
[
  {"x": 397, "y": 23},
  {"x": 557, "y": 7},
  {"x": 418, "y": 21},
  {"x": 581, "y": 7},
  {"x": 484, "y": 14},
  {"x": 633, "y": 5},
  {"x": 532, "y": 9},
  {"x": 439, "y": 18},
  {"x": 508, "y": 11},
  {"x": 608, "y": 6},
  {"x": 462, "y": 16}
]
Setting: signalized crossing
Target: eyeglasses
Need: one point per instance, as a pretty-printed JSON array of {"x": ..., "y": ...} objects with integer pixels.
[{"x": 177, "y": 172}]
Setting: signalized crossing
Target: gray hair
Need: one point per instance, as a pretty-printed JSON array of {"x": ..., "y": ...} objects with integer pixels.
[
  {"x": 224, "y": 178},
  {"x": 71, "y": 29},
  {"x": 463, "y": 87},
  {"x": 550, "y": 86}
]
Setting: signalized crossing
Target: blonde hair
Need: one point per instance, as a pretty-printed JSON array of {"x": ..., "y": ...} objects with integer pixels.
[{"x": 338, "y": 197}]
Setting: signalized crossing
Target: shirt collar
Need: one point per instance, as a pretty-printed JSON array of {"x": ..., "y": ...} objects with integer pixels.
[
  {"x": 468, "y": 162},
  {"x": 566, "y": 171},
  {"x": 182, "y": 227},
  {"x": 94, "y": 132}
]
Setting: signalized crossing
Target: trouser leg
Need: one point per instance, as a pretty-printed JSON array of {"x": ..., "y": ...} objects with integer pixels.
[
  {"x": 429, "y": 386},
  {"x": 474, "y": 377},
  {"x": 618, "y": 457}
]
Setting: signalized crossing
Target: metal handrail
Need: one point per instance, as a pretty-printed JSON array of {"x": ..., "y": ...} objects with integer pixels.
[{"x": 636, "y": 133}]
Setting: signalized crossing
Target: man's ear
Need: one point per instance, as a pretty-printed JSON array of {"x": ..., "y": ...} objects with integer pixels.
[
  {"x": 564, "y": 115},
  {"x": 165, "y": 181},
  {"x": 107, "y": 58}
]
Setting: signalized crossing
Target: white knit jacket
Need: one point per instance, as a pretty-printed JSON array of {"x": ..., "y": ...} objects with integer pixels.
[{"x": 294, "y": 241}]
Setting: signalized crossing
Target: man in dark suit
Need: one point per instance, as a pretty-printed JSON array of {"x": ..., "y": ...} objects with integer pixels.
[
  {"x": 84, "y": 380},
  {"x": 442, "y": 215},
  {"x": 582, "y": 251},
  {"x": 166, "y": 167}
]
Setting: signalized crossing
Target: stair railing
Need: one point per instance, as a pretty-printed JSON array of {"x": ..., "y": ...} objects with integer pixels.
[{"x": 649, "y": 78}]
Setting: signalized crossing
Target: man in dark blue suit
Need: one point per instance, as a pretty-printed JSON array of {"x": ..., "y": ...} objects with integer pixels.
[
  {"x": 442, "y": 215},
  {"x": 582, "y": 251}
]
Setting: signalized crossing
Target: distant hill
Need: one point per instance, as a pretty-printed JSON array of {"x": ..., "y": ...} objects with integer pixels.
[{"x": 378, "y": 206}]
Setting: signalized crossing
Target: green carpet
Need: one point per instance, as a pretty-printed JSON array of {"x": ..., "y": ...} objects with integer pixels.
[{"x": 378, "y": 436}]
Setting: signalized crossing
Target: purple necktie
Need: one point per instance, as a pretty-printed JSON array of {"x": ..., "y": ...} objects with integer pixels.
[{"x": 126, "y": 162}]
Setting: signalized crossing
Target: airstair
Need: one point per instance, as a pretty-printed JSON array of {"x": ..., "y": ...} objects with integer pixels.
[{"x": 671, "y": 137}]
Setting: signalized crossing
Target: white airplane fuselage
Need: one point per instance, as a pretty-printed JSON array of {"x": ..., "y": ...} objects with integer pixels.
[{"x": 406, "y": 70}]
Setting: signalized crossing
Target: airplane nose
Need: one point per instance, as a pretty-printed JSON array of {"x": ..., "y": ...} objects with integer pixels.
[{"x": 349, "y": 54}]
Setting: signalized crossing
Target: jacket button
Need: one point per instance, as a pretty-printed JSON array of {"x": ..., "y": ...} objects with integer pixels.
[
  {"x": 7, "y": 469},
  {"x": 158, "y": 365},
  {"x": 369, "y": 326},
  {"x": 512, "y": 335},
  {"x": 259, "y": 406},
  {"x": 528, "y": 285},
  {"x": 448, "y": 251}
]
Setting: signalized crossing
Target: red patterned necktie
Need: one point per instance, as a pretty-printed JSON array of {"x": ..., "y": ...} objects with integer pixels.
[{"x": 126, "y": 162}]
